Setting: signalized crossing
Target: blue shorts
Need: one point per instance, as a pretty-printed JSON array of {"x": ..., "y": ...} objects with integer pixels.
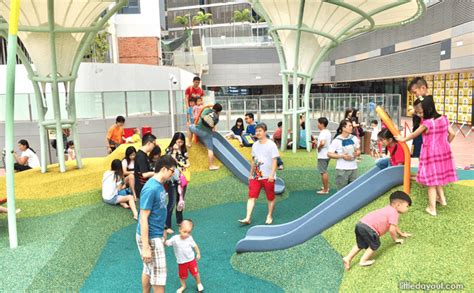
[
  {"x": 114, "y": 200},
  {"x": 204, "y": 136},
  {"x": 383, "y": 163}
]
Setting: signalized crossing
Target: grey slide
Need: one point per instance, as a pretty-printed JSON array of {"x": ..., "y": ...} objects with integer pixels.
[
  {"x": 236, "y": 163},
  {"x": 345, "y": 202}
]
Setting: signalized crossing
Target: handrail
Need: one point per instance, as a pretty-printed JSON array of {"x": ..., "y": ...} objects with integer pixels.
[{"x": 394, "y": 130}]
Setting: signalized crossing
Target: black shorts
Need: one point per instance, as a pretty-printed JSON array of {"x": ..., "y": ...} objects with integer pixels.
[{"x": 366, "y": 237}]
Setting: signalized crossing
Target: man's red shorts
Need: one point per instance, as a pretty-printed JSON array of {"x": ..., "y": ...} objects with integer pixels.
[
  {"x": 256, "y": 185},
  {"x": 188, "y": 266}
]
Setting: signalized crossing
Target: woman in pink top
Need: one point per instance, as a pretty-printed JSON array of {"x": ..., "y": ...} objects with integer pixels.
[
  {"x": 374, "y": 225},
  {"x": 436, "y": 167}
]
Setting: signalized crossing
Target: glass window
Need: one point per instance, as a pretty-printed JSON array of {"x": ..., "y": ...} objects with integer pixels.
[
  {"x": 114, "y": 104},
  {"x": 138, "y": 103},
  {"x": 179, "y": 98},
  {"x": 160, "y": 102},
  {"x": 88, "y": 105},
  {"x": 22, "y": 111},
  {"x": 49, "y": 104},
  {"x": 133, "y": 7}
]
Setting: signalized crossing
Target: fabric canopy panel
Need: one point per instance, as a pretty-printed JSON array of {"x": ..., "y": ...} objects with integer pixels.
[
  {"x": 67, "y": 14},
  {"x": 326, "y": 23}
]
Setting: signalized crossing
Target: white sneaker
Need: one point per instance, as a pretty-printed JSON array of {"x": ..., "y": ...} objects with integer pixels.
[{"x": 200, "y": 288}]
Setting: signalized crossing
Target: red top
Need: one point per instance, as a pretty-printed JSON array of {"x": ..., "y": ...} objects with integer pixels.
[
  {"x": 193, "y": 92},
  {"x": 396, "y": 154}
]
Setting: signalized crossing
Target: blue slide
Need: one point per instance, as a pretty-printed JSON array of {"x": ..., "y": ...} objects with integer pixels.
[
  {"x": 236, "y": 163},
  {"x": 345, "y": 202}
]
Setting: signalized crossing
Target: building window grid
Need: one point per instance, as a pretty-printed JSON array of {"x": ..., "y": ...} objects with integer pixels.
[{"x": 133, "y": 7}]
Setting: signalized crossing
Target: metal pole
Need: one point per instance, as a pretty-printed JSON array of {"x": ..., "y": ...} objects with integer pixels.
[
  {"x": 9, "y": 121},
  {"x": 172, "y": 109},
  {"x": 229, "y": 116},
  {"x": 308, "y": 119},
  {"x": 73, "y": 117},
  {"x": 54, "y": 87},
  {"x": 295, "y": 78}
]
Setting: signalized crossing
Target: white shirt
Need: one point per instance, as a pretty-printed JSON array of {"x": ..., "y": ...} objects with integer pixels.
[
  {"x": 183, "y": 248},
  {"x": 109, "y": 185},
  {"x": 33, "y": 160},
  {"x": 342, "y": 146},
  {"x": 263, "y": 155},
  {"x": 375, "y": 133},
  {"x": 130, "y": 166},
  {"x": 326, "y": 136}
]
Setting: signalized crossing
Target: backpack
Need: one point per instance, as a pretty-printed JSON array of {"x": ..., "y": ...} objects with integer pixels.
[
  {"x": 247, "y": 140},
  {"x": 210, "y": 120}
]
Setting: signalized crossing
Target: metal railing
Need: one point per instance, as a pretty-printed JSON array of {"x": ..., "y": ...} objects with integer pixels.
[
  {"x": 102, "y": 105},
  {"x": 268, "y": 108}
]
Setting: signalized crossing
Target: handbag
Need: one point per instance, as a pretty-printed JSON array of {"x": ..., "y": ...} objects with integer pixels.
[{"x": 182, "y": 183}]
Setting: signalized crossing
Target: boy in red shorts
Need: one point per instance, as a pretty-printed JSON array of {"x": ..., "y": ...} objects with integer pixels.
[
  {"x": 262, "y": 173},
  {"x": 374, "y": 225},
  {"x": 183, "y": 245}
]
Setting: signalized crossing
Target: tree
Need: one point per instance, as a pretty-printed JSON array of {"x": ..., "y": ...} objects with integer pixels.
[
  {"x": 99, "y": 49},
  {"x": 184, "y": 21},
  {"x": 203, "y": 18},
  {"x": 244, "y": 15}
]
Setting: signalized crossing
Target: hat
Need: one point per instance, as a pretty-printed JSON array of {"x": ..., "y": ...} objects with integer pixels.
[{"x": 401, "y": 195}]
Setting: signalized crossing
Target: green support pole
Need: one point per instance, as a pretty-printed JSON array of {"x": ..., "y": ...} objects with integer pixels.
[
  {"x": 296, "y": 82},
  {"x": 9, "y": 122},
  {"x": 72, "y": 116},
  {"x": 307, "y": 90}
]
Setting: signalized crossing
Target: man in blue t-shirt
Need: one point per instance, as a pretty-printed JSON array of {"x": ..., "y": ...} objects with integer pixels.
[
  {"x": 151, "y": 224},
  {"x": 249, "y": 119}
]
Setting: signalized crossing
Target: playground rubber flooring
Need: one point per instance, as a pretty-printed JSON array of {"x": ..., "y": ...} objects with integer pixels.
[{"x": 69, "y": 240}]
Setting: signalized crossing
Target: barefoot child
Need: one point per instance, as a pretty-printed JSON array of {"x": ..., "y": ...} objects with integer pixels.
[
  {"x": 262, "y": 173},
  {"x": 436, "y": 167},
  {"x": 183, "y": 245},
  {"x": 374, "y": 225},
  {"x": 324, "y": 140}
]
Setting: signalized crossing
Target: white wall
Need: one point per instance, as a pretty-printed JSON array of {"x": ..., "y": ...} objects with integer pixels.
[
  {"x": 100, "y": 77},
  {"x": 145, "y": 24}
]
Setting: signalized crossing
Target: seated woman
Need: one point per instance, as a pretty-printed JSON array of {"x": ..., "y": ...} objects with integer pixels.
[
  {"x": 236, "y": 130},
  {"x": 27, "y": 159},
  {"x": 393, "y": 147},
  {"x": 128, "y": 166},
  {"x": 302, "y": 143},
  {"x": 114, "y": 190}
]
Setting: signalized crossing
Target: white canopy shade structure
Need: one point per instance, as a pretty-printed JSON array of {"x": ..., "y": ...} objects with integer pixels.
[
  {"x": 305, "y": 31},
  {"x": 56, "y": 35}
]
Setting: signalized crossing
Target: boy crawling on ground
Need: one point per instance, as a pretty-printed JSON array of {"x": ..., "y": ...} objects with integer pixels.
[{"x": 374, "y": 225}]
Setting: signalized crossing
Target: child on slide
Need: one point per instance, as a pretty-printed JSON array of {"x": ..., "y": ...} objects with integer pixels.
[
  {"x": 393, "y": 148},
  {"x": 374, "y": 225}
]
